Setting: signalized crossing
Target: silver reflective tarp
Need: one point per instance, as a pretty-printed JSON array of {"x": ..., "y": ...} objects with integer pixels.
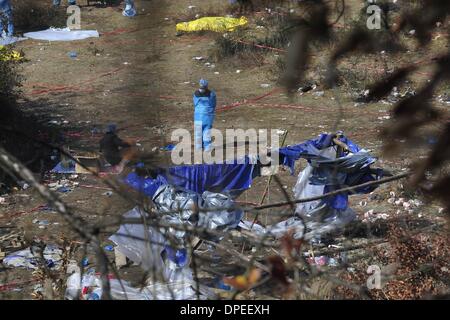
[{"x": 145, "y": 245}]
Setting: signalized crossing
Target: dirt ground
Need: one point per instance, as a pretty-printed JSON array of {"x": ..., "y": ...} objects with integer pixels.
[{"x": 141, "y": 75}]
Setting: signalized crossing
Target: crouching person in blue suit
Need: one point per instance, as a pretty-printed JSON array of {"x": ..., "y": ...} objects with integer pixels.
[{"x": 204, "y": 112}]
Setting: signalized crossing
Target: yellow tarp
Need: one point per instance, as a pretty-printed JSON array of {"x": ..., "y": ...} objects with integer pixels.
[
  {"x": 217, "y": 24},
  {"x": 9, "y": 55}
]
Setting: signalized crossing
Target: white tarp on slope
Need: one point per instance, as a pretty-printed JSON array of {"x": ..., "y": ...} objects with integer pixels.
[
  {"x": 10, "y": 40},
  {"x": 55, "y": 34}
]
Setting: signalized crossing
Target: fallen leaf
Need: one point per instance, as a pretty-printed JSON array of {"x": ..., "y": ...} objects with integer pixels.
[{"x": 243, "y": 282}]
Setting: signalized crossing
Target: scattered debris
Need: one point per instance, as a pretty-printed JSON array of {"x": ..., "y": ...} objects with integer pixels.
[
  {"x": 72, "y": 54},
  {"x": 371, "y": 216},
  {"x": 28, "y": 258},
  {"x": 319, "y": 93}
]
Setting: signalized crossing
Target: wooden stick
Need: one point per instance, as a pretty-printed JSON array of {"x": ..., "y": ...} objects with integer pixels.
[{"x": 269, "y": 180}]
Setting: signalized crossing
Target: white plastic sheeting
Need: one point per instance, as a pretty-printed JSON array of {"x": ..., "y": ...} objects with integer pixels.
[
  {"x": 319, "y": 217},
  {"x": 316, "y": 216},
  {"x": 4, "y": 41},
  {"x": 215, "y": 211},
  {"x": 277, "y": 230},
  {"x": 28, "y": 259},
  {"x": 65, "y": 34},
  {"x": 140, "y": 245},
  {"x": 304, "y": 189},
  {"x": 83, "y": 288},
  {"x": 145, "y": 245},
  {"x": 173, "y": 290}
]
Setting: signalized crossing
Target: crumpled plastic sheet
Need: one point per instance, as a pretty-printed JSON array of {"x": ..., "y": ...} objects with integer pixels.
[
  {"x": 181, "y": 289},
  {"x": 145, "y": 246},
  {"x": 64, "y": 34},
  {"x": 173, "y": 290},
  {"x": 215, "y": 211},
  {"x": 312, "y": 151},
  {"x": 175, "y": 206},
  {"x": 324, "y": 173},
  {"x": 297, "y": 226},
  {"x": 4, "y": 41},
  {"x": 277, "y": 230},
  {"x": 335, "y": 221},
  {"x": 140, "y": 245},
  {"x": 322, "y": 216},
  {"x": 27, "y": 259}
]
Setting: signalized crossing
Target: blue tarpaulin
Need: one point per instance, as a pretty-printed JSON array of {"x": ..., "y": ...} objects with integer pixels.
[
  {"x": 59, "y": 168},
  {"x": 329, "y": 168},
  {"x": 310, "y": 150},
  {"x": 347, "y": 170},
  {"x": 231, "y": 178},
  {"x": 333, "y": 173}
]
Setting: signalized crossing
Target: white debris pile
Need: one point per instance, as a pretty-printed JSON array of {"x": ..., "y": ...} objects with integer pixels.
[
  {"x": 371, "y": 216},
  {"x": 89, "y": 287},
  {"x": 30, "y": 258},
  {"x": 404, "y": 204},
  {"x": 64, "y": 185}
]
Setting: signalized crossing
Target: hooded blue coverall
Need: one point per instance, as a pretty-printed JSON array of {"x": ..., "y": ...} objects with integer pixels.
[
  {"x": 70, "y": 2},
  {"x": 6, "y": 12},
  {"x": 204, "y": 112},
  {"x": 130, "y": 9}
]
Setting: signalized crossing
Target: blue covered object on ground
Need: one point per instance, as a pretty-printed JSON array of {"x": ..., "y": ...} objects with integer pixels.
[{"x": 59, "y": 168}]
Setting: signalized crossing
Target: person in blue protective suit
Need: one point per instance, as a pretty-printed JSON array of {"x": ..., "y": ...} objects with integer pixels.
[
  {"x": 204, "y": 112},
  {"x": 70, "y": 2},
  {"x": 130, "y": 9},
  {"x": 6, "y": 14}
]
